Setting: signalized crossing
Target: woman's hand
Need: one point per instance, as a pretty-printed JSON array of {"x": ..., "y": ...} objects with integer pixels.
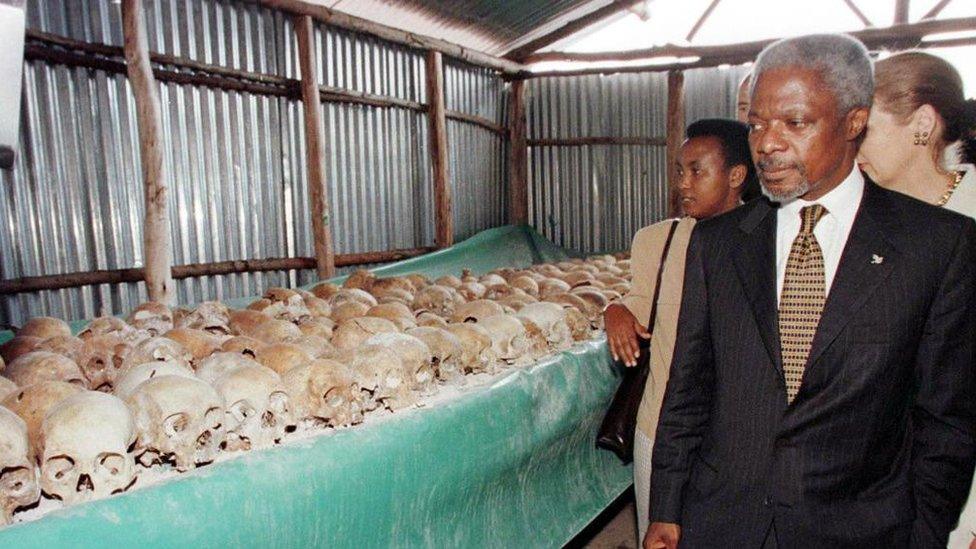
[{"x": 623, "y": 329}]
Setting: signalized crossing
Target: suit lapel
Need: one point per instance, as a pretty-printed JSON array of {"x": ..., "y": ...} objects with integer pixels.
[
  {"x": 866, "y": 261},
  {"x": 755, "y": 262}
]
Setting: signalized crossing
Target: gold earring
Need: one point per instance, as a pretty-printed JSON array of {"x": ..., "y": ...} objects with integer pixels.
[{"x": 922, "y": 138}]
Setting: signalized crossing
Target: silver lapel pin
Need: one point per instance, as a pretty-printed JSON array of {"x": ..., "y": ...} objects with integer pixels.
[{"x": 876, "y": 259}]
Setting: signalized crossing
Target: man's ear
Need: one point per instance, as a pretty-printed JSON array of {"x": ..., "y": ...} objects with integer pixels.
[
  {"x": 857, "y": 121},
  {"x": 737, "y": 176}
]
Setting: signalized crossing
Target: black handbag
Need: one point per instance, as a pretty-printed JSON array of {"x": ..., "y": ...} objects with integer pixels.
[{"x": 617, "y": 430}]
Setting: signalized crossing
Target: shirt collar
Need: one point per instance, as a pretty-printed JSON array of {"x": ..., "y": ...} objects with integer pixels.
[{"x": 842, "y": 201}]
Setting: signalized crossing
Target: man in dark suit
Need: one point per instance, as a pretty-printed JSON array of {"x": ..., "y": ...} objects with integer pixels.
[{"x": 821, "y": 392}]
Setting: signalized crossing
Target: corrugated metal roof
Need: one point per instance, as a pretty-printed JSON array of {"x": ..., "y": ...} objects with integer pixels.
[{"x": 492, "y": 26}]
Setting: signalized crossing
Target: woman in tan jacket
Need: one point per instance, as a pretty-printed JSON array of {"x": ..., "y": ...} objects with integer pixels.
[{"x": 716, "y": 174}]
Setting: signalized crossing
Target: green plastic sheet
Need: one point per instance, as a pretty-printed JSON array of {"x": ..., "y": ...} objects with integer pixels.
[{"x": 510, "y": 464}]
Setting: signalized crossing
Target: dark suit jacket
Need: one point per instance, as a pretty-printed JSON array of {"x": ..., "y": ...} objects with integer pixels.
[{"x": 878, "y": 446}]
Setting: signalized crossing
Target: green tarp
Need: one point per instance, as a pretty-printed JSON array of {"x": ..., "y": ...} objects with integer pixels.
[{"x": 511, "y": 464}]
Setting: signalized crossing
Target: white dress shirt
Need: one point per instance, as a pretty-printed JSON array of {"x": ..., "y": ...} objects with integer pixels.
[{"x": 831, "y": 231}]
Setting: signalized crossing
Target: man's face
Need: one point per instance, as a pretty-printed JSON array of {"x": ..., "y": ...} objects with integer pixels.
[
  {"x": 801, "y": 144},
  {"x": 706, "y": 186},
  {"x": 742, "y": 101}
]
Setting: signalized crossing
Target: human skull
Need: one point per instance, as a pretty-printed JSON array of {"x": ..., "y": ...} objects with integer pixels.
[
  {"x": 552, "y": 286},
  {"x": 45, "y": 327},
  {"x": 243, "y": 345},
  {"x": 579, "y": 325},
  {"x": 578, "y": 278},
  {"x": 325, "y": 290},
  {"x": 157, "y": 349},
  {"x": 85, "y": 441},
  {"x": 7, "y": 387},
  {"x": 217, "y": 364},
  {"x": 450, "y": 281},
  {"x": 392, "y": 283},
  {"x": 178, "y": 419},
  {"x": 276, "y": 331},
  {"x": 427, "y": 318},
  {"x": 476, "y": 311},
  {"x": 105, "y": 325},
  {"x": 282, "y": 357},
  {"x": 17, "y": 347},
  {"x": 472, "y": 290},
  {"x": 152, "y": 317},
  {"x": 69, "y": 346},
  {"x": 477, "y": 355},
  {"x": 381, "y": 373},
  {"x": 397, "y": 313},
  {"x": 418, "y": 281},
  {"x": 103, "y": 359},
  {"x": 360, "y": 279},
  {"x": 325, "y": 391},
  {"x": 415, "y": 356},
  {"x": 596, "y": 302},
  {"x": 199, "y": 343},
  {"x": 445, "y": 349},
  {"x": 33, "y": 402},
  {"x": 258, "y": 409},
  {"x": 492, "y": 279},
  {"x": 318, "y": 307},
  {"x": 508, "y": 338},
  {"x": 346, "y": 310},
  {"x": 352, "y": 294},
  {"x": 318, "y": 326},
  {"x": 18, "y": 478},
  {"x": 527, "y": 284},
  {"x": 316, "y": 346},
  {"x": 212, "y": 317},
  {"x": 38, "y": 366},
  {"x": 246, "y": 322},
  {"x": 550, "y": 320},
  {"x": 134, "y": 376},
  {"x": 394, "y": 295},
  {"x": 351, "y": 333},
  {"x": 438, "y": 299},
  {"x": 284, "y": 304}
]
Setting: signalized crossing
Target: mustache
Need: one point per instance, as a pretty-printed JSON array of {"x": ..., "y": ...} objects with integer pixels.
[{"x": 773, "y": 164}]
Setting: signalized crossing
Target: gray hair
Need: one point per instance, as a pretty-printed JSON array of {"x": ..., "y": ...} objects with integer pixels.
[{"x": 842, "y": 60}]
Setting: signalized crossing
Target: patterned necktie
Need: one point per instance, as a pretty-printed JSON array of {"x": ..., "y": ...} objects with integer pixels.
[{"x": 802, "y": 301}]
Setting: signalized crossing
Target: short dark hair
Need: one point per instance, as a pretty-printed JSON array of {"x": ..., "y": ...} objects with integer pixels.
[{"x": 734, "y": 139}]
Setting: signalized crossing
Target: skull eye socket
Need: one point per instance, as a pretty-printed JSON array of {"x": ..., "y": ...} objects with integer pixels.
[
  {"x": 241, "y": 410},
  {"x": 278, "y": 402},
  {"x": 175, "y": 424},
  {"x": 213, "y": 418},
  {"x": 59, "y": 467},
  {"x": 113, "y": 464},
  {"x": 14, "y": 479}
]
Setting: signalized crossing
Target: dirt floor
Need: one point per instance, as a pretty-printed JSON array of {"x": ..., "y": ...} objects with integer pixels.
[{"x": 615, "y": 528}]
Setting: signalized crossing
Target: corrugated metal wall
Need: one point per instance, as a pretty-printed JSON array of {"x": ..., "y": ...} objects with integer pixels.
[
  {"x": 236, "y": 159},
  {"x": 594, "y": 198}
]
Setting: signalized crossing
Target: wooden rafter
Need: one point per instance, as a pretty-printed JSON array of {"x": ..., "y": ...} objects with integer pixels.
[
  {"x": 901, "y": 12},
  {"x": 860, "y": 14},
  {"x": 701, "y": 20},
  {"x": 936, "y": 9},
  {"x": 574, "y": 26}
]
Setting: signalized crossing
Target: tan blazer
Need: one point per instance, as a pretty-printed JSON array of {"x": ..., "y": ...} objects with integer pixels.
[{"x": 645, "y": 256}]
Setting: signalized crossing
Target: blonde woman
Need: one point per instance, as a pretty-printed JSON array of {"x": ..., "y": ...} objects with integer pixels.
[{"x": 921, "y": 141}]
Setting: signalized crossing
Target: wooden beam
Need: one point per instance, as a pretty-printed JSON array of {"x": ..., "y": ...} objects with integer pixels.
[
  {"x": 518, "y": 157},
  {"x": 315, "y": 148},
  {"x": 574, "y": 26},
  {"x": 477, "y": 121},
  {"x": 598, "y": 140},
  {"x": 390, "y": 34},
  {"x": 901, "y": 12},
  {"x": 701, "y": 20},
  {"x": 895, "y": 36},
  {"x": 860, "y": 14},
  {"x": 157, "y": 244},
  {"x": 437, "y": 133},
  {"x": 29, "y": 284},
  {"x": 676, "y": 135},
  {"x": 936, "y": 9}
]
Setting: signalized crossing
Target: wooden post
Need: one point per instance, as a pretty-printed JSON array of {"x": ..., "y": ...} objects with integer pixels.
[
  {"x": 676, "y": 135},
  {"x": 314, "y": 148},
  {"x": 443, "y": 216},
  {"x": 901, "y": 12},
  {"x": 157, "y": 243},
  {"x": 518, "y": 157}
]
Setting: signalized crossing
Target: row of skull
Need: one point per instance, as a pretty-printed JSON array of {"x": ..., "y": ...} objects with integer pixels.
[{"x": 82, "y": 413}]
